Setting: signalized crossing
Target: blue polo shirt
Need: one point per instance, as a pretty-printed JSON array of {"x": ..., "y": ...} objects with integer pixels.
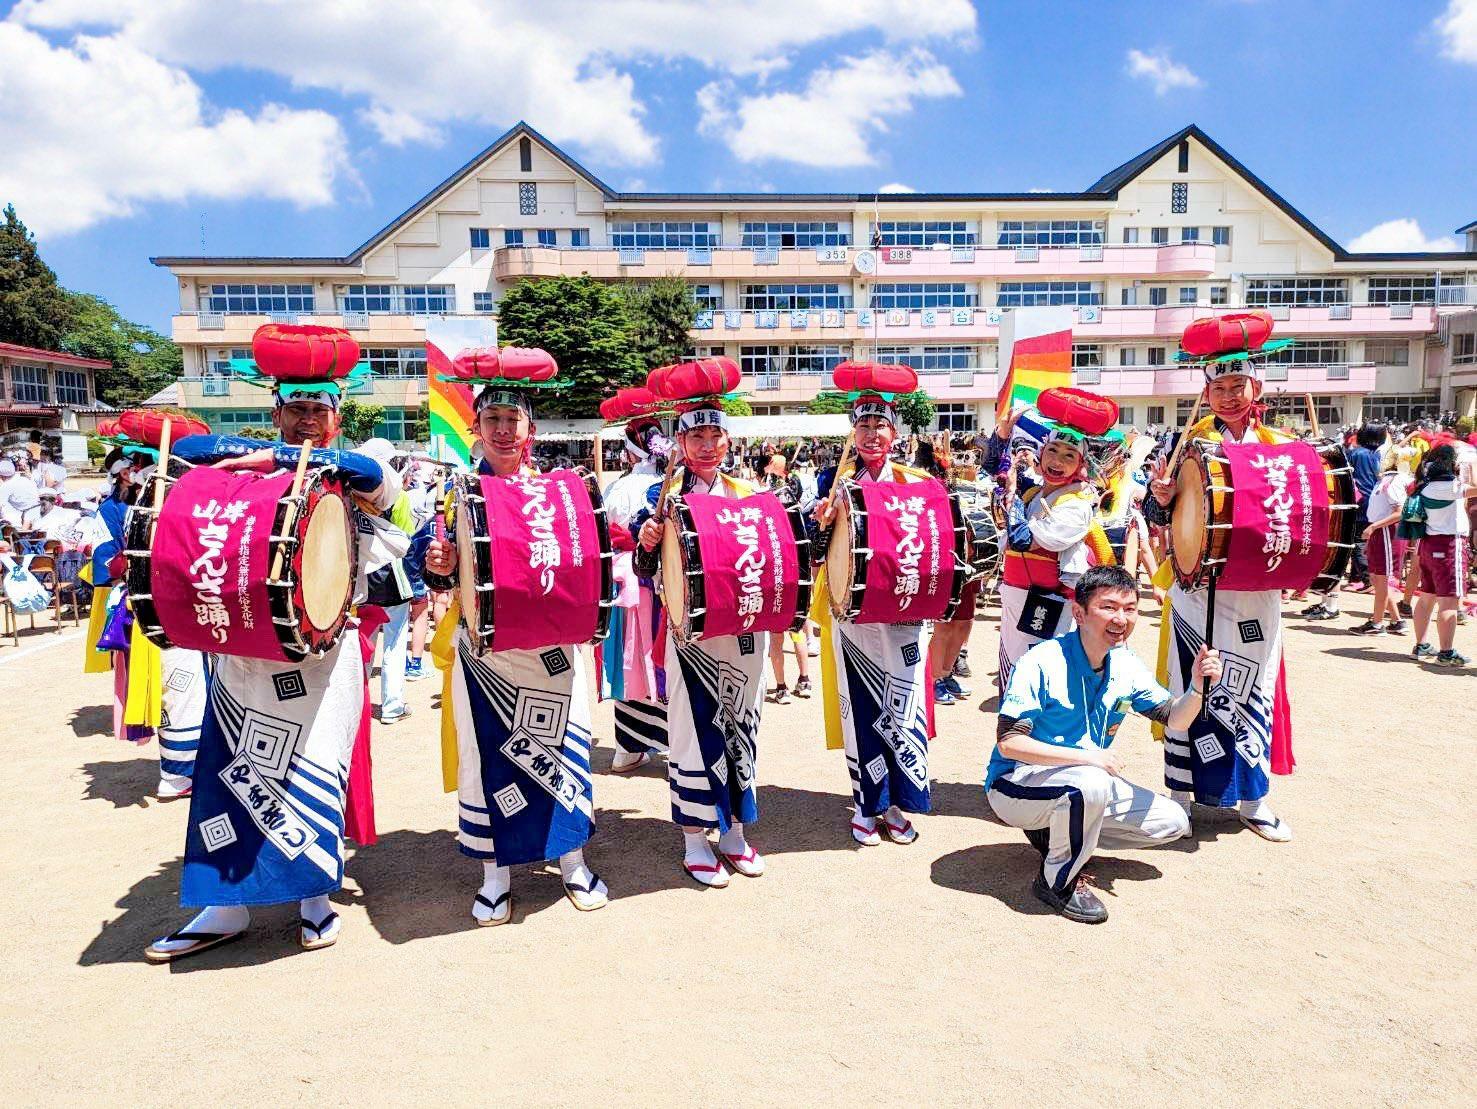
[{"x": 1068, "y": 703}]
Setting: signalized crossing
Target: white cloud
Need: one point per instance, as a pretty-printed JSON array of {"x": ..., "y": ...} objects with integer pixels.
[
  {"x": 1398, "y": 235},
  {"x": 897, "y": 187},
  {"x": 1457, "y": 26},
  {"x": 831, "y": 121},
  {"x": 92, "y": 130},
  {"x": 398, "y": 128},
  {"x": 1161, "y": 72}
]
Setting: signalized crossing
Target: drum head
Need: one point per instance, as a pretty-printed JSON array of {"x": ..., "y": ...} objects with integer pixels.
[
  {"x": 674, "y": 577},
  {"x": 839, "y": 568},
  {"x": 326, "y": 582},
  {"x": 1187, "y": 525},
  {"x": 466, "y": 564}
]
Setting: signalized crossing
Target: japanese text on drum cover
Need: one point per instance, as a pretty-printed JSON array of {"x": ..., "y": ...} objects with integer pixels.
[
  {"x": 1279, "y": 505},
  {"x": 208, "y": 571},
  {"x": 543, "y": 549},
  {"x": 910, "y": 548},
  {"x": 744, "y": 524}
]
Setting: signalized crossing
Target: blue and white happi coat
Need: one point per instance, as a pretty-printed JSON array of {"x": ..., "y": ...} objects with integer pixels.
[
  {"x": 524, "y": 789},
  {"x": 1225, "y": 755},
  {"x": 267, "y": 811},
  {"x": 715, "y": 694},
  {"x": 182, "y": 710},
  {"x": 881, "y": 669}
]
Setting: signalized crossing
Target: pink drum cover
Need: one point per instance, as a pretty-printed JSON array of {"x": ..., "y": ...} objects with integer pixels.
[
  {"x": 750, "y": 563},
  {"x": 910, "y": 573},
  {"x": 211, "y": 559},
  {"x": 545, "y": 560},
  {"x": 1280, "y": 521}
]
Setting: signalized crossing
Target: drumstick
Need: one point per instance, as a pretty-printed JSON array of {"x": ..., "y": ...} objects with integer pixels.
[
  {"x": 661, "y": 501},
  {"x": 1312, "y": 414},
  {"x": 1174, "y": 459},
  {"x": 291, "y": 517},
  {"x": 1209, "y": 636},
  {"x": 161, "y": 472}
]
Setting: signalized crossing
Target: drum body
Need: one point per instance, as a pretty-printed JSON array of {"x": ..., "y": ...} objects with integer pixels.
[
  {"x": 534, "y": 562},
  {"x": 898, "y": 552},
  {"x": 733, "y": 567},
  {"x": 233, "y": 564},
  {"x": 1263, "y": 516}
]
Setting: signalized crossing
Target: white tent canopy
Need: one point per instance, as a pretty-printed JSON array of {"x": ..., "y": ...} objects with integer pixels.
[{"x": 799, "y": 426}]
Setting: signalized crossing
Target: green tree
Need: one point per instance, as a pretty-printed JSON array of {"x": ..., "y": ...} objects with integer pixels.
[
  {"x": 34, "y": 310},
  {"x": 586, "y": 326},
  {"x": 267, "y": 434},
  {"x": 828, "y": 404},
  {"x": 143, "y": 361},
  {"x": 915, "y": 409},
  {"x": 358, "y": 420},
  {"x": 420, "y": 430},
  {"x": 662, "y": 314},
  {"x": 737, "y": 406}
]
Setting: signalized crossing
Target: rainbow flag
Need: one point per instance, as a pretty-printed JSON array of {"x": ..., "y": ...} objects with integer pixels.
[
  {"x": 451, "y": 401},
  {"x": 1036, "y": 351}
]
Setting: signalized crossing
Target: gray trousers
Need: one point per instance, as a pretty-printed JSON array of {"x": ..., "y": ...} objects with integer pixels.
[{"x": 1084, "y": 807}]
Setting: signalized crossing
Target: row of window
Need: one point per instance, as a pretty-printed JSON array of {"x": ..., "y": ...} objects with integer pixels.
[
  {"x": 531, "y": 236},
  {"x": 1159, "y": 236},
  {"x": 397, "y": 424},
  {"x": 33, "y": 385},
  {"x": 411, "y": 300},
  {"x": 761, "y": 361}
]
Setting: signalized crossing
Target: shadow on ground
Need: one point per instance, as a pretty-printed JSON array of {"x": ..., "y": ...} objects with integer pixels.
[
  {"x": 1005, "y": 872},
  {"x": 91, "y": 720},
  {"x": 126, "y": 785}
]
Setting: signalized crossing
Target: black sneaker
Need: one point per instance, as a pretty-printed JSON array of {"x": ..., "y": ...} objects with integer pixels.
[
  {"x": 1452, "y": 658},
  {"x": 1404, "y": 609},
  {"x": 1321, "y": 612},
  {"x": 1395, "y": 627},
  {"x": 1423, "y": 650},
  {"x": 961, "y": 664},
  {"x": 1082, "y": 905},
  {"x": 1369, "y": 627},
  {"x": 1040, "y": 839},
  {"x": 803, "y": 688}
]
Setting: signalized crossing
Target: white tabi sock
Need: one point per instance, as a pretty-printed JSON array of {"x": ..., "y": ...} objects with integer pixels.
[
  {"x": 732, "y": 841},
  {"x": 1256, "y": 810},
  {"x": 867, "y": 822},
  {"x": 496, "y": 881},
  {"x": 218, "y": 919},
  {"x": 696, "y": 850},
  {"x": 572, "y": 867},
  {"x": 1183, "y": 798},
  {"x": 895, "y": 816}
]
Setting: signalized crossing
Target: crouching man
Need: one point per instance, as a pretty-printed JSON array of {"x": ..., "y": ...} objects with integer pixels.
[{"x": 1054, "y": 773}]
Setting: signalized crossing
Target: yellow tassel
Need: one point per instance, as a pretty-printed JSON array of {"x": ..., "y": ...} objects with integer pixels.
[
  {"x": 820, "y": 612},
  {"x": 145, "y": 704},
  {"x": 95, "y": 661},
  {"x": 443, "y": 654}
]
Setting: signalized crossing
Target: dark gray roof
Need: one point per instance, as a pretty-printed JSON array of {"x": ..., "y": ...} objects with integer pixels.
[{"x": 1104, "y": 188}]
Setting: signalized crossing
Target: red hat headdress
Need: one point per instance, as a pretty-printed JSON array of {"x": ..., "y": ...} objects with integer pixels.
[
  {"x": 871, "y": 387},
  {"x": 697, "y": 390}
]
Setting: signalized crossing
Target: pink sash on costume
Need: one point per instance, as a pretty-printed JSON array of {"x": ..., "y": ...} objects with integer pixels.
[
  {"x": 750, "y": 563},
  {"x": 910, "y": 572},
  {"x": 1280, "y": 516}
]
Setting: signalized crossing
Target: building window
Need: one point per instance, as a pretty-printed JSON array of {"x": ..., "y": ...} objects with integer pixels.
[
  {"x": 579, "y": 236},
  {"x": 926, "y": 233},
  {"x": 481, "y": 238},
  {"x": 1189, "y": 234},
  {"x": 1031, "y": 294},
  {"x": 1220, "y": 294},
  {"x": 695, "y": 352},
  {"x": 1183, "y": 409},
  {"x": 30, "y": 385},
  {"x": 1311, "y": 352},
  {"x": 1264, "y": 292},
  {"x": 1156, "y": 356},
  {"x": 809, "y": 360},
  {"x": 1158, "y": 295},
  {"x": 1412, "y": 290},
  {"x": 953, "y": 416},
  {"x": 527, "y": 198},
  {"x": 399, "y": 425},
  {"x": 513, "y": 236},
  {"x": 1220, "y": 236},
  {"x": 482, "y": 302},
  {"x": 396, "y": 361},
  {"x": 257, "y": 300},
  {"x": 1464, "y": 348},
  {"x": 1130, "y": 234},
  {"x": 913, "y": 295},
  {"x": 1128, "y": 356},
  {"x": 1155, "y": 415},
  {"x": 71, "y": 387},
  {"x": 758, "y": 298},
  {"x": 221, "y": 367},
  {"x": 1125, "y": 415},
  {"x": 1050, "y": 232},
  {"x": 1401, "y": 408},
  {"x": 547, "y": 236},
  {"x": 663, "y": 235},
  {"x": 1184, "y": 156},
  {"x": 1187, "y": 294},
  {"x": 1087, "y": 356},
  {"x": 931, "y": 359},
  {"x": 1330, "y": 410},
  {"x": 1128, "y": 296},
  {"x": 525, "y": 154},
  {"x": 795, "y": 235},
  {"x": 709, "y": 298},
  {"x": 1386, "y": 352},
  {"x": 232, "y": 420},
  {"x": 411, "y": 300},
  {"x": 1158, "y": 235},
  {"x": 1179, "y": 197}
]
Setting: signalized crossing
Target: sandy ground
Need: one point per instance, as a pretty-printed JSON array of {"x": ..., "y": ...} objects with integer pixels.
[{"x": 1339, "y": 968}]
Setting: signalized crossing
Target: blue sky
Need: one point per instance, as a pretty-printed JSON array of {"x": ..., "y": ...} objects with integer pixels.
[{"x": 143, "y": 127}]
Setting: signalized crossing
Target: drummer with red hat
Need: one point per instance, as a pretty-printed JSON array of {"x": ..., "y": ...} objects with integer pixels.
[
  {"x": 629, "y": 674},
  {"x": 1225, "y": 758},
  {"x": 296, "y": 723},
  {"x": 506, "y": 813},
  {"x": 715, "y": 687},
  {"x": 879, "y": 670}
]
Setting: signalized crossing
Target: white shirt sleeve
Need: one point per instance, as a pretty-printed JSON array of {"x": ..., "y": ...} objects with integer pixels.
[{"x": 1065, "y": 525}]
